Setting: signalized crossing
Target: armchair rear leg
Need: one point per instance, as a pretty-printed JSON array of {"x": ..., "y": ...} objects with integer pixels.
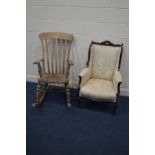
[
  {"x": 114, "y": 109},
  {"x": 116, "y": 105},
  {"x": 79, "y": 102},
  {"x": 38, "y": 90},
  {"x": 67, "y": 89}
]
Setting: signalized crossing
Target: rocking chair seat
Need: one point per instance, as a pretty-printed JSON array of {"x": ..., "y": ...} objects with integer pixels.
[
  {"x": 53, "y": 78},
  {"x": 98, "y": 90}
]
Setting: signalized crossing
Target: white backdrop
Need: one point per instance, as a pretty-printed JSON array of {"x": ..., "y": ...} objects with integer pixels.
[{"x": 87, "y": 20}]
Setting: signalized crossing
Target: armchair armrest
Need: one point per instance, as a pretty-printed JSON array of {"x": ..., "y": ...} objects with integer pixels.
[
  {"x": 84, "y": 76},
  {"x": 117, "y": 80}
]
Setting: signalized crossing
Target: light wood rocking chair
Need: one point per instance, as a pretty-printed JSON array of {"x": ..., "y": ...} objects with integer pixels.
[{"x": 54, "y": 67}]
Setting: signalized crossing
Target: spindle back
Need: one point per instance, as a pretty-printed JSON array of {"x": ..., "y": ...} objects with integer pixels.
[{"x": 56, "y": 51}]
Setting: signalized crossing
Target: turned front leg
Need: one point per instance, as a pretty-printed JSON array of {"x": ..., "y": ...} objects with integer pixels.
[
  {"x": 67, "y": 89},
  {"x": 38, "y": 91}
]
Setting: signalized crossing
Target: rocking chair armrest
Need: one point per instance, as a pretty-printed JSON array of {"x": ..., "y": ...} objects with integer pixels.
[
  {"x": 117, "y": 80},
  {"x": 70, "y": 62},
  {"x": 40, "y": 66},
  {"x": 84, "y": 76},
  {"x": 38, "y": 61}
]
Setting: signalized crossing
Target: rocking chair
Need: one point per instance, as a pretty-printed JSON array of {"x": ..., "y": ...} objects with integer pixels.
[{"x": 54, "y": 66}]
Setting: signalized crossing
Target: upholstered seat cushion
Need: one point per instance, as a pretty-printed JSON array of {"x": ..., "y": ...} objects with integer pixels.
[{"x": 98, "y": 89}]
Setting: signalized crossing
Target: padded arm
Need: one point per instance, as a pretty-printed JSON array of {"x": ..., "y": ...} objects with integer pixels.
[
  {"x": 117, "y": 80},
  {"x": 84, "y": 76}
]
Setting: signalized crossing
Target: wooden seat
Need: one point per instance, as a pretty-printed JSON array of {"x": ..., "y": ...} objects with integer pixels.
[
  {"x": 53, "y": 78},
  {"x": 54, "y": 65}
]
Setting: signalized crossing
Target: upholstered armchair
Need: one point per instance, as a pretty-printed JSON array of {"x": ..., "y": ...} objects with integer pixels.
[{"x": 101, "y": 79}]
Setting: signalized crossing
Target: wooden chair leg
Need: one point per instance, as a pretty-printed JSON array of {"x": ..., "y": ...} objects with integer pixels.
[
  {"x": 38, "y": 90},
  {"x": 79, "y": 102},
  {"x": 114, "y": 109},
  {"x": 116, "y": 105},
  {"x": 43, "y": 95},
  {"x": 67, "y": 89}
]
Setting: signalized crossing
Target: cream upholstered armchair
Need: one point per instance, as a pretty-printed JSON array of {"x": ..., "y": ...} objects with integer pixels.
[{"x": 101, "y": 80}]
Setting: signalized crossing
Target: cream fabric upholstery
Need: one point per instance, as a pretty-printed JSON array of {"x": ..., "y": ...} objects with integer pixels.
[
  {"x": 104, "y": 61},
  {"x": 98, "y": 89},
  {"x": 100, "y": 80},
  {"x": 116, "y": 79}
]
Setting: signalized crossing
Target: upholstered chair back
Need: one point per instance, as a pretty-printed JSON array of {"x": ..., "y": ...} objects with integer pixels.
[{"x": 103, "y": 61}]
